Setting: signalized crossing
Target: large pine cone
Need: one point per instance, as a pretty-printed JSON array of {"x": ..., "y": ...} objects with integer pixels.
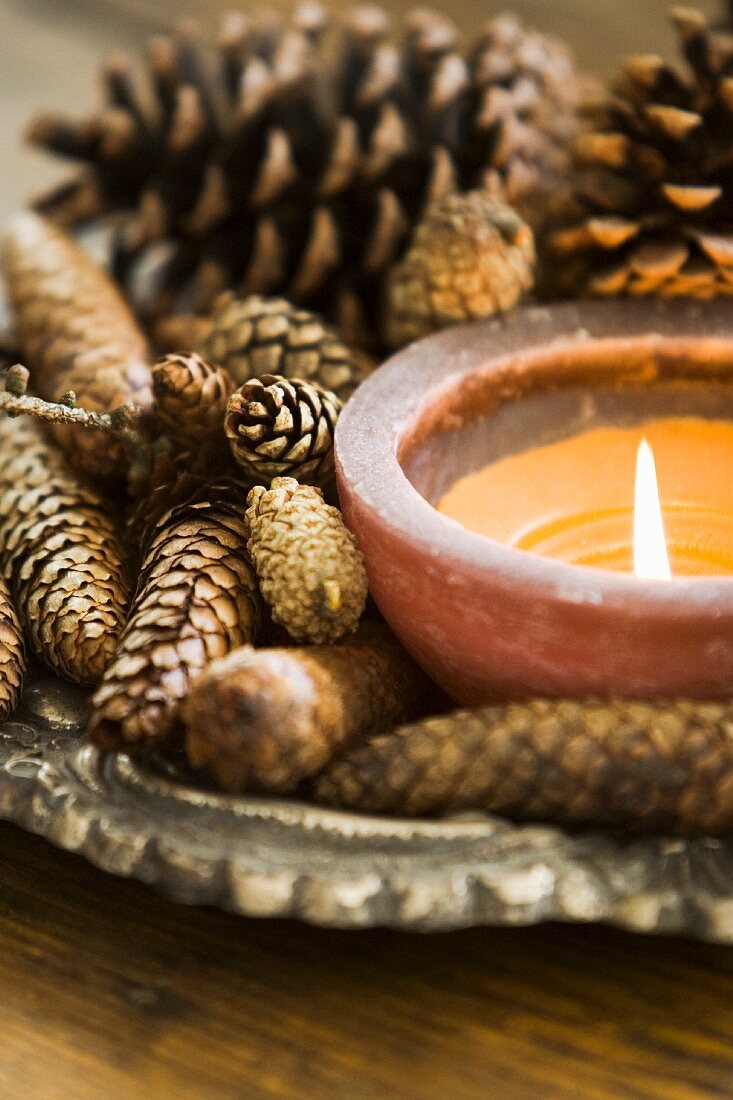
[
  {"x": 196, "y": 600},
  {"x": 279, "y": 428},
  {"x": 295, "y": 165},
  {"x": 655, "y": 190}
]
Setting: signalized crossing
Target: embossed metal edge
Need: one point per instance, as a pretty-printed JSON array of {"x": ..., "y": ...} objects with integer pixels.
[{"x": 275, "y": 858}]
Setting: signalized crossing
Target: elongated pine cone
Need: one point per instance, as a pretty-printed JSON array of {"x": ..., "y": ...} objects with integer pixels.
[
  {"x": 654, "y": 195},
  {"x": 254, "y": 336},
  {"x": 656, "y": 766},
  {"x": 281, "y": 428},
  {"x": 297, "y": 165},
  {"x": 266, "y": 719},
  {"x": 62, "y": 555},
  {"x": 310, "y": 569},
  {"x": 12, "y": 655},
  {"x": 471, "y": 257},
  {"x": 77, "y": 334},
  {"x": 196, "y": 600},
  {"x": 191, "y": 401}
]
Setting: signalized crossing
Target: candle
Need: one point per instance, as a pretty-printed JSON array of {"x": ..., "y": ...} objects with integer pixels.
[{"x": 592, "y": 499}]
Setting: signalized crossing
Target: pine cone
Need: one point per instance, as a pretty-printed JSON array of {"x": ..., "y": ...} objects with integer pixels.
[
  {"x": 657, "y": 766},
  {"x": 62, "y": 555},
  {"x": 191, "y": 402},
  {"x": 655, "y": 192},
  {"x": 310, "y": 570},
  {"x": 277, "y": 169},
  {"x": 280, "y": 428},
  {"x": 76, "y": 334},
  {"x": 255, "y": 336},
  {"x": 471, "y": 257},
  {"x": 12, "y": 655},
  {"x": 266, "y": 719},
  {"x": 196, "y": 600}
]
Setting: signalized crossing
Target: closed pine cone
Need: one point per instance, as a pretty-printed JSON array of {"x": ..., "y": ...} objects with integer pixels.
[
  {"x": 76, "y": 334},
  {"x": 253, "y": 336},
  {"x": 279, "y": 428},
  {"x": 471, "y": 257},
  {"x": 287, "y": 166},
  {"x": 642, "y": 765},
  {"x": 191, "y": 401},
  {"x": 310, "y": 569},
  {"x": 196, "y": 600},
  {"x": 12, "y": 655},
  {"x": 655, "y": 191},
  {"x": 61, "y": 554}
]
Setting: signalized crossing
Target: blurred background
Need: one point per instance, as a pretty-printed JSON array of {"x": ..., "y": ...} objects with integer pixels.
[{"x": 50, "y": 51}]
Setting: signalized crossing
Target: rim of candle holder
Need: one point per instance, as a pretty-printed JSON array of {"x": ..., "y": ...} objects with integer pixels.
[{"x": 425, "y": 389}]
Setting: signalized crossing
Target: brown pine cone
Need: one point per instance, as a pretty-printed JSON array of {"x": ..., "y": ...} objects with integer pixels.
[
  {"x": 280, "y": 428},
  {"x": 310, "y": 569},
  {"x": 196, "y": 600},
  {"x": 654, "y": 194},
  {"x": 190, "y": 402},
  {"x": 12, "y": 655},
  {"x": 254, "y": 336},
  {"x": 62, "y": 555},
  {"x": 657, "y": 766},
  {"x": 266, "y": 719},
  {"x": 76, "y": 333},
  {"x": 471, "y": 257},
  {"x": 297, "y": 165}
]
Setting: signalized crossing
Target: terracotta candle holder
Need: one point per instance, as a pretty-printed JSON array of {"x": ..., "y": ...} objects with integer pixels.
[{"x": 489, "y": 621}]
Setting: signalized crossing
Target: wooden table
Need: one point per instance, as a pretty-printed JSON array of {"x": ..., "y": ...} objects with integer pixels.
[{"x": 109, "y": 993}]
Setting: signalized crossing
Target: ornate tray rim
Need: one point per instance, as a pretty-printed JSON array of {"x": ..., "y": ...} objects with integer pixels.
[{"x": 271, "y": 857}]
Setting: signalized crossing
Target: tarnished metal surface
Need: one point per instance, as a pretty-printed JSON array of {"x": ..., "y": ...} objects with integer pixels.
[{"x": 268, "y": 857}]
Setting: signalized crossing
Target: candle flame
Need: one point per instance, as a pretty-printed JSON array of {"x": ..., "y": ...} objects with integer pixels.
[{"x": 651, "y": 560}]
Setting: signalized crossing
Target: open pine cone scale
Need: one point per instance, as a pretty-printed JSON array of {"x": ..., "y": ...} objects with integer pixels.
[
  {"x": 297, "y": 160},
  {"x": 654, "y": 191}
]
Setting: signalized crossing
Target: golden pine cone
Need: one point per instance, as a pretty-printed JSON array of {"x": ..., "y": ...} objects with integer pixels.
[
  {"x": 76, "y": 333},
  {"x": 12, "y": 655},
  {"x": 190, "y": 401},
  {"x": 654, "y": 193},
  {"x": 656, "y": 766},
  {"x": 282, "y": 428},
  {"x": 62, "y": 554},
  {"x": 254, "y": 336},
  {"x": 266, "y": 719},
  {"x": 471, "y": 257},
  {"x": 310, "y": 569},
  {"x": 196, "y": 600}
]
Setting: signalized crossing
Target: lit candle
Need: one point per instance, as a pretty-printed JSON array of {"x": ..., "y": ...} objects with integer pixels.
[{"x": 592, "y": 499}]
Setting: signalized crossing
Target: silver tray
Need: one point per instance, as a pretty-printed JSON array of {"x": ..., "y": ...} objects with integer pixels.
[{"x": 271, "y": 857}]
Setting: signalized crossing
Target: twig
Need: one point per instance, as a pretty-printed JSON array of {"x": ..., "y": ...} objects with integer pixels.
[{"x": 122, "y": 422}]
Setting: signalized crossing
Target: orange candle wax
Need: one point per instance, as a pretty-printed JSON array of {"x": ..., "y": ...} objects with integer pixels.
[{"x": 574, "y": 499}]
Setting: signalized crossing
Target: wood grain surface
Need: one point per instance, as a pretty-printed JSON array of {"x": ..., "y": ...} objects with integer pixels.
[
  {"x": 108, "y": 992},
  {"x": 111, "y": 992}
]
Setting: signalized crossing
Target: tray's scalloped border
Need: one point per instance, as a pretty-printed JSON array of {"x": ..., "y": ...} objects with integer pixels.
[{"x": 271, "y": 857}]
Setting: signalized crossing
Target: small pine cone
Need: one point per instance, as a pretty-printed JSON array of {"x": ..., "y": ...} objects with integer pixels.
[
  {"x": 77, "y": 334},
  {"x": 190, "y": 402},
  {"x": 278, "y": 427},
  {"x": 657, "y": 766},
  {"x": 196, "y": 600},
  {"x": 12, "y": 655},
  {"x": 472, "y": 256},
  {"x": 310, "y": 569},
  {"x": 266, "y": 719},
  {"x": 62, "y": 555},
  {"x": 254, "y": 336}
]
